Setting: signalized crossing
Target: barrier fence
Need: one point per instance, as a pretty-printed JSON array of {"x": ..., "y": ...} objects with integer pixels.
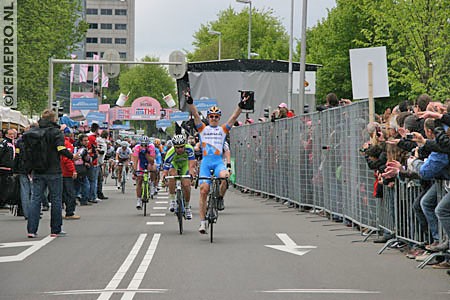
[
  {"x": 311, "y": 160},
  {"x": 314, "y": 161}
]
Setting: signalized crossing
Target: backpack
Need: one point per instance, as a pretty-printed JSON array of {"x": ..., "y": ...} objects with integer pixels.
[{"x": 35, "y": 144}]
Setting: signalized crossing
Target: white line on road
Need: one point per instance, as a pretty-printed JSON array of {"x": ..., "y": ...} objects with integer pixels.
[
  {"x": 145, "y": 263},
  {"x": 35, "y": 246},
  {"x": 86, "y": 292},
  {"x": 120, "y": 274},
  {"x": 162, "y": 197},
  {"x": 322, "y": 291},
  {"x": 161, "y": 202},
  {"x": 155, "y": 223},
  {"x": 157, "y": 215},
  {"x": 160, "y": 207}
]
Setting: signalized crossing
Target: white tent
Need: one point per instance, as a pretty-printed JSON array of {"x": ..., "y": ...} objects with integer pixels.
[{"x": 12, "y": 117}]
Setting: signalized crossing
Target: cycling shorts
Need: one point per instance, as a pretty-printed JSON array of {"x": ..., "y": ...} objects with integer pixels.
[
  {"x": 184, "y": 167},
  {"x": 211, "y": 163}
]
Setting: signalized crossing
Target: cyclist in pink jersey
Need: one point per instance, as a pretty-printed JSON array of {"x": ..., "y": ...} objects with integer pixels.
[{"x": 143, "y": 159}]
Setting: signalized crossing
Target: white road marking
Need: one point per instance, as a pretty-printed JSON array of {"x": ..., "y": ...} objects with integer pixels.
[
  {"x": 322, "y": 291},
  {"x": 290, "y": 246},
  {"x": 157, "y": 215},
  {"x": 120, "y": 274},
  {"x": 117, "y": 291},
  {"x": 143, "y": 267},
  {"x": 161, "y": 202},
  {"x": 133, "y": 287},
  {"x": 34, "y": 246},
  {"x": 160, "y": 207},
  {"x": 162, "y": 197},
  {"x": 155, "y": 223}
]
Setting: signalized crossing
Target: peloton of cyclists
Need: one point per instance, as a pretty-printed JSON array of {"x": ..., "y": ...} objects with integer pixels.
[
  {"x": 180, "y": 157},
  {"x": 143, "y": 159},
  {"x": 212, "y": 140}
]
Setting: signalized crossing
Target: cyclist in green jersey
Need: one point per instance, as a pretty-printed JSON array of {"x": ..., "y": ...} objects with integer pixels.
[{"x": 180, "y": 157}]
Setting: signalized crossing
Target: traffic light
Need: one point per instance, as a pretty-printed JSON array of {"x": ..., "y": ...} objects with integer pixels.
[
  {"x": 57, "y": 108},
  {"x": 266, "y": 112}
]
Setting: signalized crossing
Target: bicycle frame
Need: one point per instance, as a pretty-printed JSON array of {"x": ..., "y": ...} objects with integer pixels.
[
  {"x": 212, "y": 212},
  {"x": 145, "y": 189},
  {"x": 180, "y": 212}
]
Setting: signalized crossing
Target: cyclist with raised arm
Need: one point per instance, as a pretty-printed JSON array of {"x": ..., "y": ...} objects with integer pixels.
[
  {"x": 212, "y": 140},
  {"x": 143, "y": 159},
  {"x": 123, "y": 155},
  {"x": 180, "y": 157}
]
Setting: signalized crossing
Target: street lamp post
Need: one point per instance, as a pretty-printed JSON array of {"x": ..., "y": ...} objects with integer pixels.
[
  {"x": 249, "y": 2},
  {"x": 213, "y": 32}
]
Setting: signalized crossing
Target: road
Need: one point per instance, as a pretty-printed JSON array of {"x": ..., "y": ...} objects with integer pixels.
[{"x": 262, "y": 250}]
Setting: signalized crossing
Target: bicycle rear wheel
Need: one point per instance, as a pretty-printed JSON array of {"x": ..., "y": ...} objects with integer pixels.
[{"x": 180, "y": 211}]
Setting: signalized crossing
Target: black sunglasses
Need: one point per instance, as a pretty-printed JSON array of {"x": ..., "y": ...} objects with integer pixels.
[
  {"x": 214, "y": 117},
  {"x": 178, "y": 147}
]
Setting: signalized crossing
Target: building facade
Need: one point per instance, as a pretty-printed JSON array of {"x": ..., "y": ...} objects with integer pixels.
[{"x": 111, "y": 26}]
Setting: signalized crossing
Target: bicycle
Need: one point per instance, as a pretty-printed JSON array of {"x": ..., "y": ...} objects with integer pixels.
[
  {"x": 124, "y": 177},
  {"x": 147, "y": 191},
  {"x": 212, "y": 211},
  {"x": 180, "y": 212}
]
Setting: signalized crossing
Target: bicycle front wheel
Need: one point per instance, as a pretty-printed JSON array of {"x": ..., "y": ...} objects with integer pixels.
[
  {"x": 180, "y": 211},
  {"x": 211, "y": 230}
]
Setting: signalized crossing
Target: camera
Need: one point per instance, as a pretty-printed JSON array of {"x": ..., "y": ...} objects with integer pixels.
[
  {"x": 409, "y": 136},
  {"x": 249, "y": 104}
]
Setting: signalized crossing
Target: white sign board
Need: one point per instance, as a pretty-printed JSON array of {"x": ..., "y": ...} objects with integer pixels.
[
  {"x": 310, "y": 82},
  {"x": 359, "y": 60}
]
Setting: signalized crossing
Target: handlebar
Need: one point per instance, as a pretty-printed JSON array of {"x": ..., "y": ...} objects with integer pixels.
[
  {"x": 212, "y": 178},
  {"x": 178, "y": 177}
]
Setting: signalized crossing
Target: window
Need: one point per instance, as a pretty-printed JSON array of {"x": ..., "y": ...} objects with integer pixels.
[
  {"x": 106, "y": 41},
  {"x": 122, "y": 41},
  {"x": 91, "y": 40},
  {"x": 106, "y": 12},
  {"x": 93, "y": 26},
  {"x": 121, "y": 26},
  {"x": 90, "y": 54},
  {"x": 92, "y": 11},
  {"x": 90, "y": 68},
  {"x": 123, "y": 54},
  {"x": 121, "y": 12},
  {"x": 106, "y": 26}
]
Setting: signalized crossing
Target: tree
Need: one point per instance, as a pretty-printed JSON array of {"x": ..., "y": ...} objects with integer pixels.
[
  {"x": 147, "y": 80},
  {"x": 328, "y": 44},
  {"x": 45, "y": 28},
  {"x": 269, "y": 38},
  {"x": 415, "y": 34}
]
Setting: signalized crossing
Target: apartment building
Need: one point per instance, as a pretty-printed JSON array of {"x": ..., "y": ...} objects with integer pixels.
[{"x": 111, "y": 26}]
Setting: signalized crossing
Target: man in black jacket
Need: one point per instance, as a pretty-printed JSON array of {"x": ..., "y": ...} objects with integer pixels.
[
  {"x": 7, "y": 153},
  {"x": 50, "y": 178}
]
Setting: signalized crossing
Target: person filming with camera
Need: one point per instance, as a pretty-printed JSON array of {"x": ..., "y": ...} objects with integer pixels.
[{"x": 212, "y": 140}]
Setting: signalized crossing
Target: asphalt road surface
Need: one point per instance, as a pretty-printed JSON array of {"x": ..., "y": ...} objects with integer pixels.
[{"x": 261, "y": 250}]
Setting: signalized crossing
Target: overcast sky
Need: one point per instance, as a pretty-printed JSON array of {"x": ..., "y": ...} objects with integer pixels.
[{"x": 163, "y": 26}]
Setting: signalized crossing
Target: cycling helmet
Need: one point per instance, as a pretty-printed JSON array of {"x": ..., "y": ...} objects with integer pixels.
[
  {"x": 178, "y": 140},
  {"x": 125, "y": 144},
  {"x": 118, "y": 142},
  {"x": 169, "y": 143},
  {"x": 145, "y": 140},
  {"x": 214, "y": 110},
  {"x": 157, "y": 142}
]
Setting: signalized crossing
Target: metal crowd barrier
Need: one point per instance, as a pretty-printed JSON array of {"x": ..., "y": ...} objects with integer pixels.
[{"x": 311, "y": 160}]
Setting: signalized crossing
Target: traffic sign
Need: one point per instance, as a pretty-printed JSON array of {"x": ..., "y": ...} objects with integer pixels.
[
  {"x": 112, "y": 70},
  {"x": 177, "y": 71}
]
